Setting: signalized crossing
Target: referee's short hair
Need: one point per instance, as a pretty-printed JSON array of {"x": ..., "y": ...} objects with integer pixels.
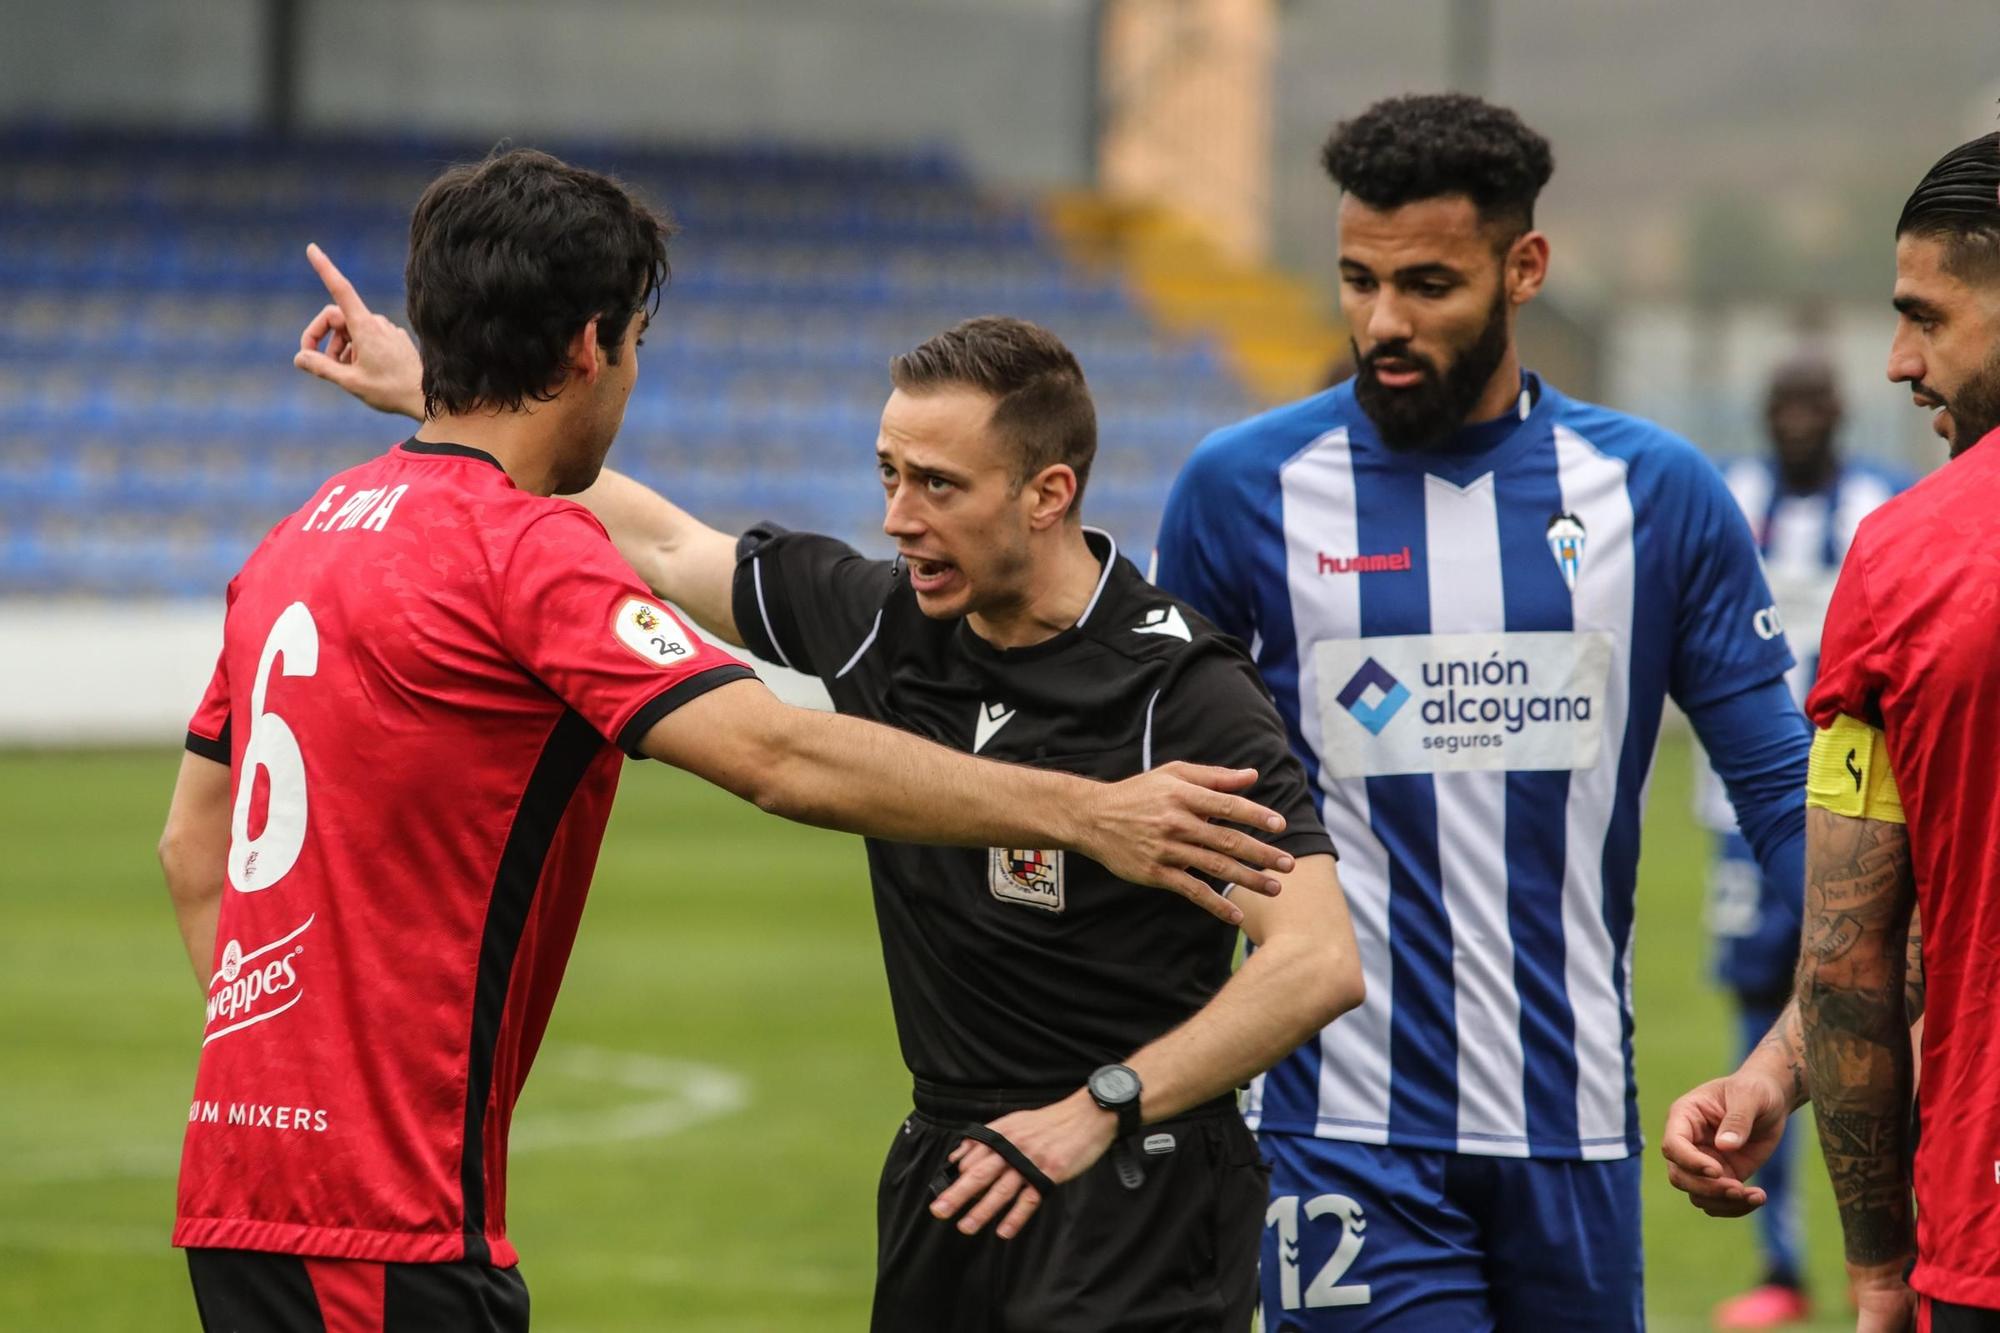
[
  {"x": 1957, "y": 204},
  {"x": 1042, "y": 406},
  {"x": 509, "y": 259}
]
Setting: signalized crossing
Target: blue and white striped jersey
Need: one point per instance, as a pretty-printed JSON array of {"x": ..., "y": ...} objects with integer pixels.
[
  {"x": 1803, "y": 539},
  {"x": 1472, "y": 649}
]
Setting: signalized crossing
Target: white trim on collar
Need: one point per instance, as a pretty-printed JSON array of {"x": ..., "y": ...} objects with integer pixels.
[{"x": 1110, "y": 560}]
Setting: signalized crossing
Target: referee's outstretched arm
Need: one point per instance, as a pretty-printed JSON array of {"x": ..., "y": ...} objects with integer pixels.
[{"x": 1304, "y": 973}]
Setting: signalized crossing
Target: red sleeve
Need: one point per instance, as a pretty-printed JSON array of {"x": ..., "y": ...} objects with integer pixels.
[
  {"x": 575, "y": 615},
  {"x": 208, "y": 729},
  {"x": 1851, "y": 678}
]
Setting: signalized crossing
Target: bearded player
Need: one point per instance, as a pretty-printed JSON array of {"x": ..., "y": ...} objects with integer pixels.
[
  {"x": 1471, "y": 596},
  {"x": 1901, "y": 828}
]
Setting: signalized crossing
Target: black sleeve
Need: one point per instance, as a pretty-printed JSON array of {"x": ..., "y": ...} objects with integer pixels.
[
  {"x": 1214, "y": 709},
  {"x": 806, "y": 601}
]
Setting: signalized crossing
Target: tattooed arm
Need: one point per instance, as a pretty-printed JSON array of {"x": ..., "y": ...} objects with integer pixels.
[
  {"x": 1855, "y": 1024},
  {"x": 1719, "y": 1134}
]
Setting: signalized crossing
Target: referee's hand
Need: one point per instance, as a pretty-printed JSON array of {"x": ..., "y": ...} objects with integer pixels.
[
  {"x": 1171, "y": 824},
  {"x": 1064, "y": 1139}
]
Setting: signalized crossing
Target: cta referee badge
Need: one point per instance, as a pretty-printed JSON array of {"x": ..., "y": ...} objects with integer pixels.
[
  {"x": 650, "y": 632},
  {"x": 1019, "y": 875}
]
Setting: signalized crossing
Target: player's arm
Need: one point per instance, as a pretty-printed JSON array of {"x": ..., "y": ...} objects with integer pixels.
[
  {"x": 194, "y": 851},
  {"x": 845, "y": 773},
  {"x": 1860, "y": 890},
  {"x": 1304, "y": 973},
  {"x": 1758, "y": 741},
  {"x": 680, "y": 557},
  {"x": 1720, "y": 1133}
]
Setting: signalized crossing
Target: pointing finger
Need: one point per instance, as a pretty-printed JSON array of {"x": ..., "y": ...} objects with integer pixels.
[{"x": 337, "y": 286}]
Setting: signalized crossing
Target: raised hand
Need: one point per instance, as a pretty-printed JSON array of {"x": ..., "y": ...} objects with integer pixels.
[{"x": 364, "y": 353}]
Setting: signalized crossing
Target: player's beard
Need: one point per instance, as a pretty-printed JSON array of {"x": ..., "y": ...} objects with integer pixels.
[
  {"x": 1975, "y": 408},
  {"x": 1427, "y": 414}
]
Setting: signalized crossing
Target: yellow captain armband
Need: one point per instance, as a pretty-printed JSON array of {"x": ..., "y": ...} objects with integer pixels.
[{"x": 1849, "y": 773}]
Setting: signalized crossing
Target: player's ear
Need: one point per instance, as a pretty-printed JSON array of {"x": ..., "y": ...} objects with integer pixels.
[
  {"x": 1051, "y": 495},
  {"x": 1525, "y": 266},
  {"x": 585, "y": 355}
]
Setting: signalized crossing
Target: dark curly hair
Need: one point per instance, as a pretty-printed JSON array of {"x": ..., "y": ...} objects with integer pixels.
[
  {"x": 509, "y": 258},
  {"x": 1404, "y": 149}
]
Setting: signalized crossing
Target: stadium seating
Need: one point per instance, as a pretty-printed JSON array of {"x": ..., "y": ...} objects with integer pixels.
[{"x": 152, "y": 288}]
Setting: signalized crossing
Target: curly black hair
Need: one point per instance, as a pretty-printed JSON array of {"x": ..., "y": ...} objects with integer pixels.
[{"x": 1423, "y": 146}]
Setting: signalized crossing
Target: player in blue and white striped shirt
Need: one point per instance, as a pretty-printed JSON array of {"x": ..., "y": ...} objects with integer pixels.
[{"x": 1471, "y": 597}]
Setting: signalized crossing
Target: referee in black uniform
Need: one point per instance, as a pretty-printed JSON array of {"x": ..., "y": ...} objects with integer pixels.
[{"x": 1074, "y": 1159}]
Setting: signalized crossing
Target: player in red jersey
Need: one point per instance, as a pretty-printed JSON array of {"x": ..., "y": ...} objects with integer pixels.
[
  {"x": 1904, "y": 822},
  {"x": 396, "y": 786}
]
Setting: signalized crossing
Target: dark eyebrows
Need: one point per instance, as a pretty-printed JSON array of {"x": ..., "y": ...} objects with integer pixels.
[
  {"x": 1915, "y": 307},
  {"x": 1431, "y": 272}
]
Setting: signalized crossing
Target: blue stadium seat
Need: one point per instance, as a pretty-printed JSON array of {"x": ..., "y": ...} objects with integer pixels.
[{"x": 152, "y": 287}]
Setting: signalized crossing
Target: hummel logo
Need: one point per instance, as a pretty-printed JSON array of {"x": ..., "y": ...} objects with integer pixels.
[
  {"x": 991, "y": 718},
  {"x": 1165, "y": 620}
]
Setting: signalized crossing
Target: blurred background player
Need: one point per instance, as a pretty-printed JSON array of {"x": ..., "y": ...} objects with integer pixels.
[
  {"x": 1803, "y": 500},
  {"x": 1471, "y": 597},
  {"x": 1030, "y": 991},
  {"x": 395, "y": 789},
  {"x": 1898, "y": 925}
]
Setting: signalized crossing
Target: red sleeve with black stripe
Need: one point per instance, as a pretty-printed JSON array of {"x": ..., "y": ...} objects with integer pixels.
[
  {"x": 575, "y": 614},
  {"x": 208, "y": 729}
]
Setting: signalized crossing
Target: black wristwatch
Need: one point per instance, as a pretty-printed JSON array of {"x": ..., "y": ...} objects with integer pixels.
[{"x": 1117, "y": 1089}]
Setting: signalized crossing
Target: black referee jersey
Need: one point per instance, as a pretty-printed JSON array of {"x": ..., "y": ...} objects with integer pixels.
[{"x": 1024, "y": 967}]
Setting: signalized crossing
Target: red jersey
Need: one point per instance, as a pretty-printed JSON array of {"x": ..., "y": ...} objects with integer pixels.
[
  {"x": 1912, "y": 636},
  {"x": 426, "y": 676}
]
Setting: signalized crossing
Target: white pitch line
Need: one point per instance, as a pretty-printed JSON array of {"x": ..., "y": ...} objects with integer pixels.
[{"x": 675, "y": 1095}]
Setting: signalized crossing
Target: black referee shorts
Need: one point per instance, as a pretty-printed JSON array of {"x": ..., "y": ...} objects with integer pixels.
[
  {"x": 1177, "y": 1253},
  {"x": 249, "y": 1291}
]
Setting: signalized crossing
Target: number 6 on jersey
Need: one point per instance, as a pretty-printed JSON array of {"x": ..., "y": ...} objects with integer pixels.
[{"x": 258, "y": 863}]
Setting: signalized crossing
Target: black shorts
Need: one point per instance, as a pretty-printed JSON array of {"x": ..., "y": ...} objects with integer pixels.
[
  {"x": 1943, "y": 1317},
  {"x": 249, "y": 1291},
  {"x": 1179, "y": 1252}
]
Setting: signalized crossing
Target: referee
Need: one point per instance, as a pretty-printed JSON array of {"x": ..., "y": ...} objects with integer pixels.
[{"x": 1075, "y": 1046}]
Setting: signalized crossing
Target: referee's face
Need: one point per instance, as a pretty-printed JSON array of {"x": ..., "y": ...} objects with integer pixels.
[{"x": 961, "y": 524}]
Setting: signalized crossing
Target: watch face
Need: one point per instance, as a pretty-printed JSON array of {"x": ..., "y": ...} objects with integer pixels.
[{"x": 1115, "y": 1084}]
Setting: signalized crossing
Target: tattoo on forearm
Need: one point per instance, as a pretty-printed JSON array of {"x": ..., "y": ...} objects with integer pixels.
[
  {"x": 1853, "y": 972},
  {"x": 1786, "y": 1043}
]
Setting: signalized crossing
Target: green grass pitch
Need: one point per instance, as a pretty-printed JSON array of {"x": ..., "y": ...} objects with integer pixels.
[{"x": 698, "y": 1147}]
